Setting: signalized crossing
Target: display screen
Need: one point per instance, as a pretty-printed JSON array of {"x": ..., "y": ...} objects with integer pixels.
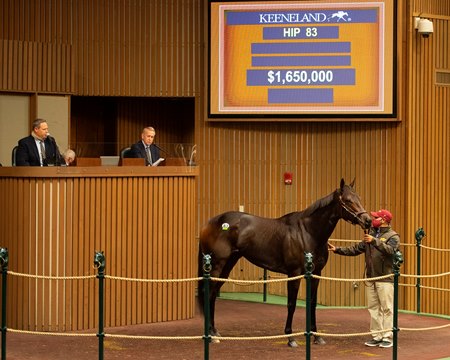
[{"x": 294, "y": 59}]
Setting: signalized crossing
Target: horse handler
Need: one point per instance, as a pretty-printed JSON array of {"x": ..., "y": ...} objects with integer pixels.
[{"x": 379, "y": 246}]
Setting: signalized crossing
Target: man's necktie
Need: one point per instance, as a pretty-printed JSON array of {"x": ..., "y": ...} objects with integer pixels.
[
  {"x": 149, "y": 155},
  {"x": 41, "y": 145}
]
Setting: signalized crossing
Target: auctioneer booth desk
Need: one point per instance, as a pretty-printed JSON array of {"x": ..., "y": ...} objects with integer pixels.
[{"x": 54, "y": 219}]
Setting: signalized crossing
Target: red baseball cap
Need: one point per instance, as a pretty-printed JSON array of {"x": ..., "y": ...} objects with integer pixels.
[{"x": 384, "y": 214}]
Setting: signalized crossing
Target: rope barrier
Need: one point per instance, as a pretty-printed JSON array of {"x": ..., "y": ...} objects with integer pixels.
[
  {"x": 433, "y": 288},
  {"x": 349, "y": 335},
  {"x": 381, "y": 331},
  {"x": 425, "y": 276},
  {"x": 353, "y": 280},
  {"x": 406, "y": 245},
  {"x": 357, "y": 241},
  {"x": 408, "y": 285},
  {"x": 435, "y": 249},
  {"x": 120, "y": 278},
  {"x": 427, "y": 328},
  {"x": 257, "y": 281},
  {"x": 424, "y": 287},
  {"x": 344, "y": 240},
  {"x": 233, "y": 338},
  {"x": 51, "y": 277},
  {"x": 268, "y": 337},
  {"x": 243, "y": 282},
  {"x": 144, "y": 337},
  {"x": 401, "y": 244},
  {"x": 32, "y": 332}
]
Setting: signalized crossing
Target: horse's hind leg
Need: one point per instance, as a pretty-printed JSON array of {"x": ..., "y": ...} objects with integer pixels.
[
  {"x": 214, "y": 290},
  {"x": 293, "y": 287}
]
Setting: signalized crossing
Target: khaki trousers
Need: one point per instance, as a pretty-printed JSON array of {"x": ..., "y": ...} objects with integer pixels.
[{"x": 380, "y": 297}]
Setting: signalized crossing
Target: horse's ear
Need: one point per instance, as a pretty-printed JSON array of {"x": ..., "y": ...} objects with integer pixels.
[
  {"x": 352, "y": 184},
  {"x": 342, "y": 183}
]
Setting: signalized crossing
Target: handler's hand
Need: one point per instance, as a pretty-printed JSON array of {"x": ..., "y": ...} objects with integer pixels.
[
  {"x": 368, "y": 238},
  {"x": 331, "y": 247}
]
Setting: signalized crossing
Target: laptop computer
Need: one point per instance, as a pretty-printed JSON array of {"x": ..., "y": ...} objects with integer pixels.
[{"x": 109, "y": 160}]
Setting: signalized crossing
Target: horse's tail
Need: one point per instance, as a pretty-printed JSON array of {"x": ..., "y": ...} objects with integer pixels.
[
  {"x": 225, "y": 227},
  {"x": 206, "y": 244},
  {"x": 200, "y": 288}
]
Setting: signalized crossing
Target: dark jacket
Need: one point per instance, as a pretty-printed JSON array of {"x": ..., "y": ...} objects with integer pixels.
[
  {"x": 27, "y": 153},
  {"x": 379, "y": 254},
  {"x": 138, "y": 151}
]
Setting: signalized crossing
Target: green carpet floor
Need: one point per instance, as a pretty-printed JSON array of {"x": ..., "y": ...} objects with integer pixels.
[{"x": 281, "y": 300}]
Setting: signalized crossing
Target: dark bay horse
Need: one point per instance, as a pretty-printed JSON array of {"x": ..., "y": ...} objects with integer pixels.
[{"x": 278, "y": 245}]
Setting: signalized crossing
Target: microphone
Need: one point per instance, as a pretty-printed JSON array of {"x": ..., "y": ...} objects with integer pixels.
[
  {"x": 180, "y": 148},
  {"x": 57, "y": 152},
  {"x": 163, "y": 150},
  {"x": 191, "y": 159}
]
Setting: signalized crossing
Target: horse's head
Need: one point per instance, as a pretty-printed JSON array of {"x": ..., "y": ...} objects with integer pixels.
[{"x": 352, "y": 209}]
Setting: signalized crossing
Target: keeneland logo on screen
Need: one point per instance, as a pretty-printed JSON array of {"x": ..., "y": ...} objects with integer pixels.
[{"x": 267, "y": 18}]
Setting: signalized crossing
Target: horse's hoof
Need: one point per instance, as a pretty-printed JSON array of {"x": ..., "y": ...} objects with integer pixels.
[
  {"x": 214, "y": 333},
  {"x": 292, "y": 343},
  {"x": 319, "y": 340}
]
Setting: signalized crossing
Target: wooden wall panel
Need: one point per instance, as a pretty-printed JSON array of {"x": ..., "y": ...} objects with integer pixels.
[
  {"x": 100, "y": 47},
  {"x": 127, "y": 48},
  {"x": 429, "y": 7},
  {"x": 35, "y": 67},
  {"x": 428, "y": 154},
  {"x": 35, "y": 46},
  {"x": 58, "y": 222}
]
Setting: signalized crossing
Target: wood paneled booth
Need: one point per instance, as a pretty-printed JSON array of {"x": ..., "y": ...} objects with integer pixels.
[{"x": 54, "y": 219}]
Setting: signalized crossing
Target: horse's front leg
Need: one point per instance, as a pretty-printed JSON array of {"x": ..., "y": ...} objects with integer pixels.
[
  {"x": 314, "y": 287},
  {"x": 292, "y": 287}
]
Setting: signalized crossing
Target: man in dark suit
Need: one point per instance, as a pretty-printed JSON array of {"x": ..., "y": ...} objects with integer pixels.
[
  {"x": 38, "y": 149},
  {"x": 145, "y": 147}
]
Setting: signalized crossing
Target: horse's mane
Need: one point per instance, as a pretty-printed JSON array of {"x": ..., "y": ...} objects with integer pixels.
[
  {"x": 319, "y": 204},
  {"x": 325, "y": 201}
]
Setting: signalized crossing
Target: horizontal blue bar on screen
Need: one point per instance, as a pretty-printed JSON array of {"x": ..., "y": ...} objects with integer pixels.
[
  {"x": 311, "y": 77},
  {"x": 345, "y": 16},
  {"x": 301, "y": 47},
  {"x": 300, "y": 96},
  {"x": 300, "y": 32},
  {"x": 301, "y": 60}
]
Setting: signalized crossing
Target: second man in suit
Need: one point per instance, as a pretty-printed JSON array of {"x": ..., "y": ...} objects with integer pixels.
[{"x": 145, "y": 148}]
